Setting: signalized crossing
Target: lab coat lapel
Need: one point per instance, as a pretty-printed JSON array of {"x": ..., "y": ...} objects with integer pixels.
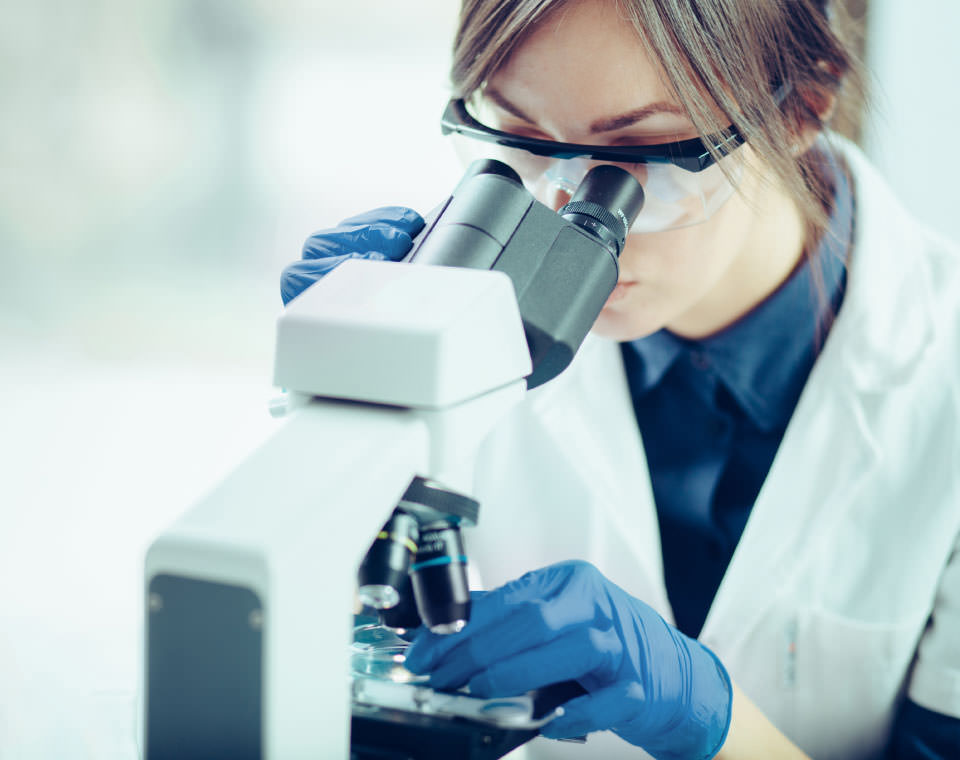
[
  {"x": 831, "y": 448},
  {"x": 811, "y": 483},
  {"x": 590, "y": 416}
]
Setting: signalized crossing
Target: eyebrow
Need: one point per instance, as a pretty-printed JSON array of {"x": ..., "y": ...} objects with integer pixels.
[{"x": 600, "y": 125}]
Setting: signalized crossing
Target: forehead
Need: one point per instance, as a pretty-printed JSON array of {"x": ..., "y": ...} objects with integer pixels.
[{"x": 582, "y": 62}]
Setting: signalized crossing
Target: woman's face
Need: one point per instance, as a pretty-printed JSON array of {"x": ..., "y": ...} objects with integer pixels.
[{"x": 584, "y": 67}]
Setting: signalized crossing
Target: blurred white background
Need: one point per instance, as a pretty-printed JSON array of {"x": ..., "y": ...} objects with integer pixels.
[
  {"x": 160, "y": 162},
  {"x": 913, "y": 55}
]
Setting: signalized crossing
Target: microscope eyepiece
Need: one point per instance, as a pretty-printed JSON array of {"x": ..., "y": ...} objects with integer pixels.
[{"x": 605, "y": 204}]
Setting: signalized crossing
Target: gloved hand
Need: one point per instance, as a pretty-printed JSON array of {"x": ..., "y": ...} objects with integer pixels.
[
  {"x": 646, "y": 681},
  {"x": 383, "y": 233}
]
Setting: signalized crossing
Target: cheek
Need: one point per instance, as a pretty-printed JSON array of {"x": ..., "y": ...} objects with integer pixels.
[
  {"x": 669, "y": 260},
  {"x": 672, "y": 270}
]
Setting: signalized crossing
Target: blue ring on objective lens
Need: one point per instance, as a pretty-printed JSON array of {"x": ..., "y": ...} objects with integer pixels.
[{"x": 438, "y": 561}]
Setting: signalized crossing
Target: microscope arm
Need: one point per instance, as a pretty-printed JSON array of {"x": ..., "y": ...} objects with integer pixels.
[{"x": 250, "y": 593}]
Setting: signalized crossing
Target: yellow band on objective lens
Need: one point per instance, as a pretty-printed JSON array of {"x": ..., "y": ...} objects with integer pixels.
[{"x": 383, "y": 535}]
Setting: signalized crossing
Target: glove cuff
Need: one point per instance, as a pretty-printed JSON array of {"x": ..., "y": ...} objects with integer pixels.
[
  {"x": 704, "y": 722},
  {"x": 725, "y": 715}
]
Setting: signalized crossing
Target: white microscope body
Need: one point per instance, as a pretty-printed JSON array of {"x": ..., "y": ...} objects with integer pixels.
[
  {"x": 427, "y": 358},
  {"x": 394, "y": 371}
]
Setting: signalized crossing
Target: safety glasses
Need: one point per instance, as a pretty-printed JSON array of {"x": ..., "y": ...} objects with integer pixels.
[
  {"x": 682, "y": 181},
  {"x": 689, "y": 155}
]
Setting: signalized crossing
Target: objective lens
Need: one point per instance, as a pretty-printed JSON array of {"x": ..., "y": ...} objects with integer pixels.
[
  {"x": 403, "y": 616},
  {"x": 380, "y": 597},
  {"x": 439, "y": 577},
  {"x": 383, "y": 571}
]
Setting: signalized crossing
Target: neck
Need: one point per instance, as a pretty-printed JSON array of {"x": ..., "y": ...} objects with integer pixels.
[{"x": 771, "y": 250}]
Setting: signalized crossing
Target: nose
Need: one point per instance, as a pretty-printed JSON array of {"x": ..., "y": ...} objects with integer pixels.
[{"x": 556, "y": 197}]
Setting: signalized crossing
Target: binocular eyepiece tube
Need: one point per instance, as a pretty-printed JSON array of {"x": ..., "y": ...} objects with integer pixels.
[{"x": 563, "y": 265}]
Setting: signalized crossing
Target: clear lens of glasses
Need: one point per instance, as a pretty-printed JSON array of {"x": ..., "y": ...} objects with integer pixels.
[{"x": 674, "y": 197}]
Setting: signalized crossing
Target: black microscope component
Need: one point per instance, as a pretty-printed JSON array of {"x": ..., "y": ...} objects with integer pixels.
[
  {"x": 416, "y": 569},
  {"x": 563, "y": 264},
  {"x": 384, "y": 570},
  {"x": 440, "y": 579}
]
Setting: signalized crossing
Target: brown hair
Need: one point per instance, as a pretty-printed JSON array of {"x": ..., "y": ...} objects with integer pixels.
[{"x": 730, "y": 54}]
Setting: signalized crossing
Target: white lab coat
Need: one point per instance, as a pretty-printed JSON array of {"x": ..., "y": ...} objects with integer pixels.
[{"x": 852, "y": 542}]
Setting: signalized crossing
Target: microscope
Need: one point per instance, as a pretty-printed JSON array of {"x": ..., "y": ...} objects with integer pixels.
[{"x": 395, "y": 372}]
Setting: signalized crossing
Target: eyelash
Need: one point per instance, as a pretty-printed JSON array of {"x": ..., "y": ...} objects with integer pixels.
[
  {"x": 618, "y": 142},
  {"x": 523, "y": 130}
]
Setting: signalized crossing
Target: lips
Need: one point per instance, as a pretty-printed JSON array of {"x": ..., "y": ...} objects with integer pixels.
[{"x": 619, "y": 292}]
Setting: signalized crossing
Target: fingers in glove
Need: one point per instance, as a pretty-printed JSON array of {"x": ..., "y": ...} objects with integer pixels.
[
  {"x": 598, "y": 711},
  {"x": 581, "y": 653},
  {"x": 380, "y": 238},
  {"x": 526, "y": 612},
  {"x": 495, "y": 631},
  {"x": 528, "y": 626},
  {"x": 404, "y": 219},
  {"x": 300, "y": 275},
  {"x": 389, "y": 231}
]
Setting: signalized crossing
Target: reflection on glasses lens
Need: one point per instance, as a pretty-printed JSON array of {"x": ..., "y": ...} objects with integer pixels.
[{"x": 675, "y": 197}]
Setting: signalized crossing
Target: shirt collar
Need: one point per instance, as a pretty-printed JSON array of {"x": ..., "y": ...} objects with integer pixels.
[{"x": 763, "y": 359}]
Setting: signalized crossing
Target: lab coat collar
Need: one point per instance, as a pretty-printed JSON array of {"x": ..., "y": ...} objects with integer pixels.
[{"x": 882, "y": 342}]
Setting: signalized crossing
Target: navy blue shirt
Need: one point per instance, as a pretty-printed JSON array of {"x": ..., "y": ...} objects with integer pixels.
[{"x": 712, "y": 413}]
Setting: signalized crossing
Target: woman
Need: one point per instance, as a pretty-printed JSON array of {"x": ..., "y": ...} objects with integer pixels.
[{"x": 774, "y": 566}]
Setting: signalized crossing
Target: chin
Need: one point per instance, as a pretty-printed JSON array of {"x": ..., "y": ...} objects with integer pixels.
[{"x": 615, "y": 325}]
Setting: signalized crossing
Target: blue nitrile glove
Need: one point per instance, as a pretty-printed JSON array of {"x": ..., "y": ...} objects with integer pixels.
[
  {"x": 646, "y": 681},
  {"x": 383, "y": 233}
]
